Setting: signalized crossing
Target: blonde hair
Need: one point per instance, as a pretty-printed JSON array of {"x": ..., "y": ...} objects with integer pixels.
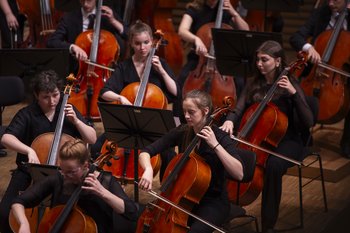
[{"x": 74, "y": 150}]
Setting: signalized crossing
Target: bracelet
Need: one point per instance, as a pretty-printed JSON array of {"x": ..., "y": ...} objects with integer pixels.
[{"x": 216, "y": 146}]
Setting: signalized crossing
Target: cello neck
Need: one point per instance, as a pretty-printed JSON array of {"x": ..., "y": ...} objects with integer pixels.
[
  {"x": 145, "y": 76},
  {"x": 52, "y": 157},
  {"x": 96, "y": 35},
  {"x": 129, "y": 8},
  {"x": 335, "y": 34},
  {"x": 218, "y": 22}
]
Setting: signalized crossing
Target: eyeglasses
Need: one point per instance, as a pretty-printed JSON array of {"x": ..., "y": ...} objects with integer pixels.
[{"x": 71, "y": 172}]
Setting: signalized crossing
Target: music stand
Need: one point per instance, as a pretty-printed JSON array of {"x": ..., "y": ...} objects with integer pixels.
[
  {"x": 134, "y": 127},
  {"x": 235, "y": 49}
]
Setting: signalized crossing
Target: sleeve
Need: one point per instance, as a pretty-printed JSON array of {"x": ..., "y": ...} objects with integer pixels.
[
  {"x": 115, "y": 82},
  {"x": 303, "y": 110},
  {"x": 168, "y": 140},
  {"x": 131, "y": 211},
  {"x": 299, "y": 38},
  {"x": 19, "y": 125},
  {"x": 59, "y": 38},
  {"x": 36, "y": 193}
]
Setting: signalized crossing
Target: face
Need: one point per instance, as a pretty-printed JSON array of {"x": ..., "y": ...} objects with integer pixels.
[
  {"x": 48, "y": 100},
  {"x": 141, "y": 43},
  {"x": 267, "y": 64},
  {"x": 194, "y": 116},
  {"x": 336, "y": 5},
  {"x": 88, "y": 5},
  {"x": 72, "y": 170}
]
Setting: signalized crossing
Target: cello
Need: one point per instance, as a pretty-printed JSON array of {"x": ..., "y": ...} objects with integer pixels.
[
  {"x": 47, "y": 145},
  {"x": 186, "y": 180},
  {"x": 42, "y": 18},
  {"x": 103, "y": 49},
  {"x": 330, "y": 85},
  {"x": 206, "y": 76},
  {"x": 141, "y": 94},
  {"x": 261, "y": 123}
]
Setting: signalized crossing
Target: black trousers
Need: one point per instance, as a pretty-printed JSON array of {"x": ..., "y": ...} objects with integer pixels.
[{"x": 274, "y": 170}]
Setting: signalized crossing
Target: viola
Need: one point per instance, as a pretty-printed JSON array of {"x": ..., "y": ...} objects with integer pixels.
[
  {"x": 261, "y": 123},
  {"x": 205, "y": 76},
  {"x": 42, "y": 18},
  {"x": 186, "y": 179},
  {"x": 330, "y": 85},
  {"x": 141, "y": 94},
  {"x": 103, "y": 49}
]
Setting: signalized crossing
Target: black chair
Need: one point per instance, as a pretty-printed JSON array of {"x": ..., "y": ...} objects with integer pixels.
[
  {"x": 11, "y": 93},
  {"x": 237, "y": 211},
  {"x": 309, "y": 158}
]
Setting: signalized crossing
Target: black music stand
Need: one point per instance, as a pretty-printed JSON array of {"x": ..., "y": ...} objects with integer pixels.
[
  {"x": 40, "y": 171},
  {"x": 134, "y": 127},
  {"x": 235, "y": 49}
]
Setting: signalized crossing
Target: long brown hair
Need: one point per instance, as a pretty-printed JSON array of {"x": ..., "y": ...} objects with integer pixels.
[{"x": 259, "y": 86}]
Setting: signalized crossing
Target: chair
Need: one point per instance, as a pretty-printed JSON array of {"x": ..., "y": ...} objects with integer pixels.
[
  {"x": 11, "y": 93},
  {"x": 237, "y": 211},
  {"x": 314, "y": 157}
]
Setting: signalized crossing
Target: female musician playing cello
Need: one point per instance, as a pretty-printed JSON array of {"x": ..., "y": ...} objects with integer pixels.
[
  {"x": 214, "y": 146},
  {"x": 290, "y": 99},
  {"x": 102, "y": 197},
  {"x": 131, "y": 70},
  {"x": 30, "y": 122},
  {"x": 199, "y": 13},
  {"x": 322, "y": 20}
]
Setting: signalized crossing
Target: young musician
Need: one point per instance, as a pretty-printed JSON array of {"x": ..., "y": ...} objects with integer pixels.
[
  {"x": 31, "y": 121},
  {"x": 215, "y": 147},
  {"x": 324, "y": 18},
  {"x": 102, "y": 197},
  {"x": 290, "y": 100}
]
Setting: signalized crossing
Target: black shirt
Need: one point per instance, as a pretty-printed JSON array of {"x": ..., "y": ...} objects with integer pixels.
[{"x": 30, "y": 122}]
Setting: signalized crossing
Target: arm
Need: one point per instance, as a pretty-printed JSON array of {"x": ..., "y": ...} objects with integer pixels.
[
  {"x": 10, "y": 17},
  {"x": 87, "y": 133},
  {"x": 185, "y": 34},
  {"x": 232, "y": 165},
  {"x": 169, "y": 82},
  {"x": 19, "y": 214},
  {"x": 108, "y": 12},
  {"x": 238, "y": 21},
  {"x": 13, "y": 143}
]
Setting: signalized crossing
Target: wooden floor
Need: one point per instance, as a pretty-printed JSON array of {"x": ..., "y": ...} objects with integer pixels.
[{"x": 337, "y": 170}]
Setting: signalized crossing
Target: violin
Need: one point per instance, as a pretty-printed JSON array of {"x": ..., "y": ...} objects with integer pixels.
[
  {"x": 102, "y": 48},
  {"x": 261, "y": 123},
  {"x": 186, "y": 179},
  {"x": 47, "y": 145},
  {"x": 205, "y": 76},
  {"x": 42, "y": 19},
  {"x": 141, "y": 94},
  {"x": 328, "y": 83}
]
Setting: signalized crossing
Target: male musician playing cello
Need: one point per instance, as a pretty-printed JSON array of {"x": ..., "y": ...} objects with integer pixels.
[
  {"x": 102, "y": 197},
  {"x": 31, "y": 121},
  {"x": 324, "y": 18},
  {"x": 75, "y": 22}
]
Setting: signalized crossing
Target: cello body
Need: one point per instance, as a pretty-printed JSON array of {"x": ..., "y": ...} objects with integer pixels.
[
  {"x": 189, "y": 187},
  {"x": 269, "y": 128},
  {"x": 42, "y": 18},
  {"x": 206, "y": 77},
  {"x": 328, "y": 86},
  {"x": 92, "y": 79}
]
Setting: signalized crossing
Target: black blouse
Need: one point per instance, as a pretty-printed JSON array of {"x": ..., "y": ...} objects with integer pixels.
[
  {"x": 125, "y": 73},
  {"x": 92, "y": 205},
  {"x": 30, "y": 122},
  {"x": 176, "y": 137}
]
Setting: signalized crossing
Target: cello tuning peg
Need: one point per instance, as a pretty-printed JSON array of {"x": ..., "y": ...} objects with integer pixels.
[{"x": 164, "y": 42}]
